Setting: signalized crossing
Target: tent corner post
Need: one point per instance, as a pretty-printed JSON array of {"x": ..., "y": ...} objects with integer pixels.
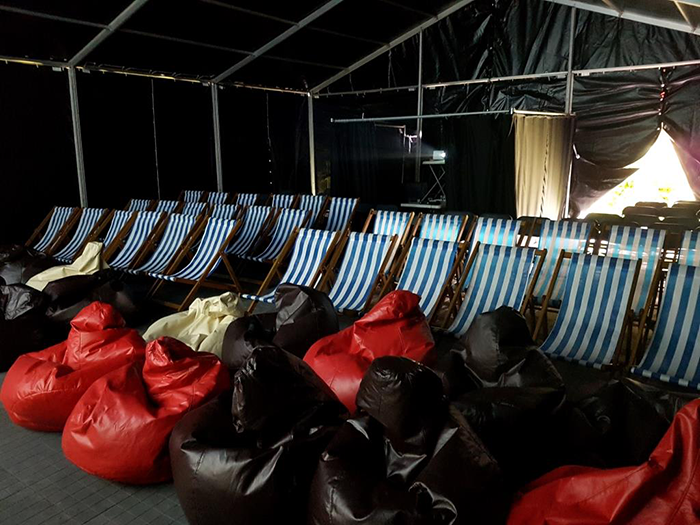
[
  {"x": 419, "y": 121},
  {"x": 217, "y": 136},
  {"x": 312, "y": 143},
  {"x": 77, "y": 136},
  {"x": 570, "y": 69}
]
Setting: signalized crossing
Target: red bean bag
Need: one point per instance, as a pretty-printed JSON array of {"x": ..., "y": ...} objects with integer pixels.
[
  {"x": 664, "y": 490},
  {"x": 41, "y": 388},
  {"x": 396, "y": 326},
  {"x": 119, "y": 429}
]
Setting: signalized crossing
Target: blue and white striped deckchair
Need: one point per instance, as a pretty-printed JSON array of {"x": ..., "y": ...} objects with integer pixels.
[
  {"x": 441, "y": 227},
  {"x": 557, "y": 237},
  {"x": 284, "y": 226},
  {"x": 139, "y": 205},
  {"x": 311, "y": 249},
  {"x": 141, "y": 230},
  {"x": 193, "y": 208},
  {"x": 283, "y": 201},
  {"x": 427, "y": 267},
  {"x": 502, "y": 232},
  {"x": 119, "y": 220},
  {"x": 167, "y": 206},
  {"x": 176, "y": 232},
  {"x": 673, "y": 355},
  {"x": 690, "y": 249},
  {"x": 340, "y": 213},
  {"x": 60, "y": 216},
  {"x": 632, "y": 242},
  {"x": 246, "y": 199},
  {"x": 88, "y": 220},
  {"x": 224, "y": 211},
  {"x": 597, "y": 297},
  {"x": 254, "y": 220},
  {"x": 217, "y": 197},
  {"x": 313, "y": 203},
  {"x": 366, "y": 257},
  {"x": 498, "y": 276},
  {"x": 391, "y": 222},
  {"x": 193, "y": 195}
]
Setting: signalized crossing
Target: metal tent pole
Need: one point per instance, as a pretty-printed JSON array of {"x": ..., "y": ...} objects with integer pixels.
[
  {"x": 413, "y": 117},
  {"x": 312, "y": 145},
  {"x": 570, "y": 70},
  {"x": 217, "y": 137},
  {"x": 419, "y": 121},
  {"x": 77, "y": 136}
]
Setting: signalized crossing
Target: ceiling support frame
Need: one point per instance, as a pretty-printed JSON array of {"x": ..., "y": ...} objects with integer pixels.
[{"x": 77, "y": 136}]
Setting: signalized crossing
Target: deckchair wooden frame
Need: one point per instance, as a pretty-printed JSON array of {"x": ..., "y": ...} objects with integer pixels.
[
  {"x": 72, "y": 218},
  {"x": 97, "y": 227}
]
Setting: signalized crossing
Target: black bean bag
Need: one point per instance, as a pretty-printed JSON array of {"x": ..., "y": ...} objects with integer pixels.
[
  {"x": 19, "y": 264},
  {"x": 408, "y": 458},
  {"x": 302, "y": 317},
  {"x": 249, "y": 456}
]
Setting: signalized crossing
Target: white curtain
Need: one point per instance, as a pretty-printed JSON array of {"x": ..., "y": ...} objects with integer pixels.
[{"x": 543, "y": 149}]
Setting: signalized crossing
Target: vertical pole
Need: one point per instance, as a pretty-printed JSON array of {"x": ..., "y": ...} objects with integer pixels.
[
  {"x": 77, "y": 136},
  {"x": 419, "y": 123},
  {"x": 570, "y": 105},
  {"x": 217, "y": 138},
  {"x": 155, "y": 136},
  {"x": 312, "y": 145}
]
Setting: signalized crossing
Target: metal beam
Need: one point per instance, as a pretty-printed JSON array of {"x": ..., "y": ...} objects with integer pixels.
[
  {"x": 455, "y": 6},
  {"x": 278, "y": 39},
  {"x": 413, "y": 117},
  {"x": 683, "y": 10},
  {"x": 419, "y": 121},
  {"x": 107, "y": 31},
  {"x": 570, "y": 70},
  {"x": 312, "y": 145},
  {"x": 77, "y": 136},
  {"x": 217, "y": 137}
]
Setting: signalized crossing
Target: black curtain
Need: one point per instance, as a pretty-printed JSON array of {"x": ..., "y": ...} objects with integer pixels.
[
  {"x": 288, "y": 142},
  {"x": 37, "y": 157}
]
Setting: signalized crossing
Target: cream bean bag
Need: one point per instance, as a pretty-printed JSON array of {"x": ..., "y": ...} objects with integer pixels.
[{"x": 88, "y": 263}]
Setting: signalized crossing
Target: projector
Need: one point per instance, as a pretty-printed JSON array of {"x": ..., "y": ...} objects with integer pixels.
[{"x": 439, "y": 155}]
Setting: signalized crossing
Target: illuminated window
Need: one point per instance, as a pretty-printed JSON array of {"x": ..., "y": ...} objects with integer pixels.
[{"x": 659, "y": 178}]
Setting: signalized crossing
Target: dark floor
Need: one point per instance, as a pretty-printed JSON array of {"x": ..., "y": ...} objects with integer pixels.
[{"x": 39, "y": 485}]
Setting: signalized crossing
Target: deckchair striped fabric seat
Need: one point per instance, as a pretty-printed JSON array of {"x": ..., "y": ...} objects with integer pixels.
[
  {"x": 310, "y": 249},
  {"x": 282, "y": 201},
  {"x": 499, "y": 276},
  {"x": 178, "y": 228},
  {"x": 217, "y": 197},
  {"x": 503, "y": 232},
  {"x": 193, "y": 195},
  {"x": 632, "y": 242},
  {"x": 215, "y": 235},
  {"x": 282, "y": 230},
  {"x": 339, "y": 213},
  {"x": 57, "y": 222},
  {"x": 441, "y": 227},
  {"x": 591, "y": 319},
  {"x": 140, "y": 231},
  {"x": 427, "y": 267},
  {"x": 193, "y": 208},
  {"x": 391, "y": 223},
  {"x": 690, "y": 249},
  {"x": 313, "y": 203},
  {"x": 246, "y": 199},
  {"x": 556, "y": 237},
  {"x": 88, "y": 220},
  {"x": 139, "y": 204},
  {"x": 167, "y": 206},
  {"x": 673, "y": 355},
  {"x": 357, "y": 277},
  {"x": 224, "y": 211},
  {"x": 253, "y": 222},
  {"x": 119, "y": 220}
]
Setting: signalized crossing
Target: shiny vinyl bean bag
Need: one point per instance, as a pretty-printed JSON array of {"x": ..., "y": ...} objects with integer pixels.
[
  {"x": 41, "y": 388},
  {"x": 119, "y": 429},
  {"x": 249, "y": 455},
  {"x": 394, "y": 327}
]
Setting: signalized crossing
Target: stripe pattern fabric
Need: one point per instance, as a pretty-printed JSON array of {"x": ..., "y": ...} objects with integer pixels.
[
  {"x": 58, "y": 220},
  {"x": 631, "y": 242},
  {"x": 246, "y": 199},
  {"x": 391, "y": 223},
  {"x": 363, "y": 258},
  {"x": 224, "y": 211},
  {"x": 193, "y": 208},
  {"x": 87, "y": 222},
  {"x": 254, "y": 220},
  {"x": 503, "y": 232},
  {"x": 440, "y": 227},
  {"x": 215, "y": 235},
  {"x": 427, "y": 267},
  {"x": 119, "y": 220},
  {"x": 179, "y": 226},
  {"x": 142, "y": 228},
  {"x": 217, "y": 197},
  {"x": 690, "y": 249},
  {"x": 193, "y": 195},
  {"x": 592, "y": 313},
  {"x": 139, "y": 204},
  {"x": 166, "y": 206},
  {"x": 312, "y": 203},
  {"x": 286, "y": 222},
  {"x": 282, "y": 201},
  {"x": 673, "y": 355},
  {"x": 339, "y": 213},
  {"x": 555, "y": 237},
  {"x": 499, "y": 277},
  {"x": 310, "y": 249}
]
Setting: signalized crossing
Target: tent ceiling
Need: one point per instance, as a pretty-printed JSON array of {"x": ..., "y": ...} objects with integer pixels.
[{"x": 203, "y": 38}]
